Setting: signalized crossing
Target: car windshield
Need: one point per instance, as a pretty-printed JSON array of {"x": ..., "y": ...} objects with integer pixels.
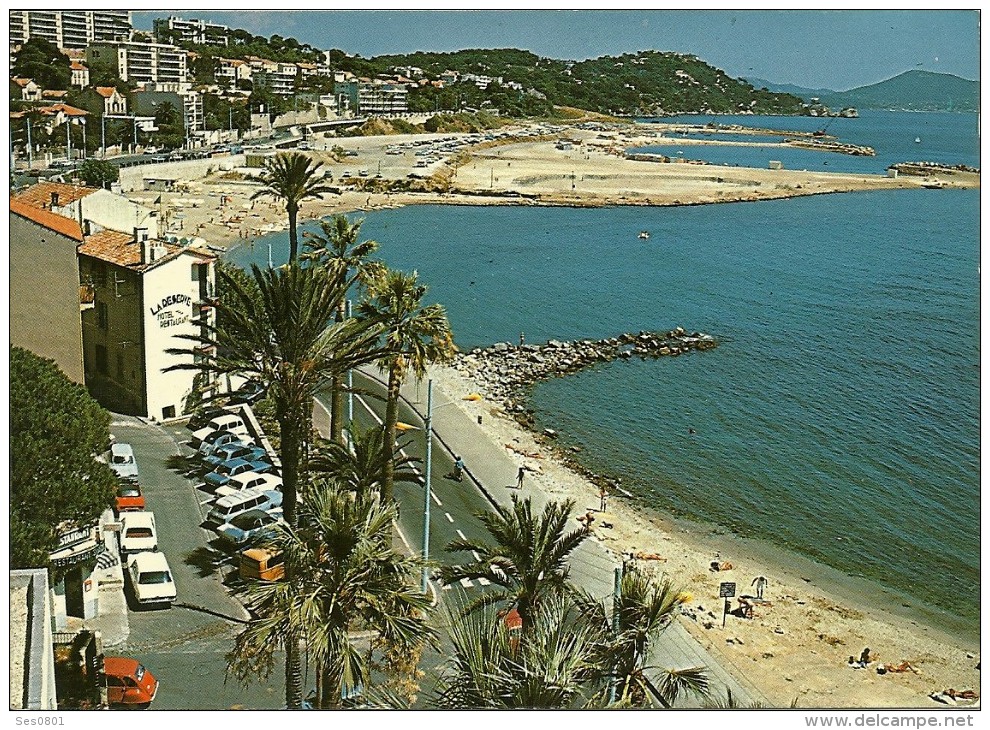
[
  {"x": 128, "y": 491},
  {"x": 248, "y": 520},
  {"x": 224, "y": 469},
  {"x": 120, "y": 459},
  {"x": 155, "y": 577},
  {"x": 139, "y": 532}
]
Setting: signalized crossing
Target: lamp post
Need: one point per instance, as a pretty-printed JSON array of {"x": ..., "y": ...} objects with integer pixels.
[
  {"x": 68, "y": 139},
  {"x": 350, "y": 388},
  {"x": 616, "y": 596},
  {"x": 426, "y": 485},
  {"x": 30, "y": 151}
]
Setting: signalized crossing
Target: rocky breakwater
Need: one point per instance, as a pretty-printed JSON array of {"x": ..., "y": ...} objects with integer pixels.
[{"x": 505, "y": 372}]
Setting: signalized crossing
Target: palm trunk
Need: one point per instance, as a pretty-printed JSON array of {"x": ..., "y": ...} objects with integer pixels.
[
  {"x": 293, "y": 672},
  {"x": 289, "y": 453},
  {"x": 337, "y": 397},
  {"x": 293, "y": 210},
  {"x": 391, "y": 419}
]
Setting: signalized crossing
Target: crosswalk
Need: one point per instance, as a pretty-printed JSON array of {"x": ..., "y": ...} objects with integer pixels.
[{"x": 467, "y": 583}]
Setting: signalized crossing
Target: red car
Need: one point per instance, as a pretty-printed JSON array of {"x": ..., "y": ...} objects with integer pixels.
[
  {"x": 129, "y": 684},
  {"x": 129, "y": 497}
]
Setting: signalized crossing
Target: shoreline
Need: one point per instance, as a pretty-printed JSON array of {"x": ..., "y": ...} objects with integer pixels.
[
  {"x": 818, "y": 616},
  {"x": 822, "y": 614}
]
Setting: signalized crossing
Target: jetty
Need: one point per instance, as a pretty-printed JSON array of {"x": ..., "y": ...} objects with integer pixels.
[{"x": 505, "y": 372}]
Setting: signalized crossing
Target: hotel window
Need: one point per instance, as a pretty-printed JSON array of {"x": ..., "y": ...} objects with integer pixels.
[
  {"x": 102, "y": 316},
  {"x": 101, "y": 359}
]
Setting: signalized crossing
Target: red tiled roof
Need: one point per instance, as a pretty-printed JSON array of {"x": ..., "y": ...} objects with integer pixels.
[
  {"x": 40, "y": 195},
  {"x": 78, "y": 66},
  {"x": 106, "y": 91},
  {"x": 70, "y": 110},
  {"x": 52, "y": 221},
  {"x": 121, "y": 249}
]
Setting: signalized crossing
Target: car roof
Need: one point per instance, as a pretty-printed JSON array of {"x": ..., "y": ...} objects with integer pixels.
[
  {"x": 120, "y": 665},
  {"x": 240, "y": 496},
  {"x": 246, "y": 476},
  {"x": 150, "y": 561},
  {"x": 141, "y": 517},
  {"x": 121, "y": 449}
]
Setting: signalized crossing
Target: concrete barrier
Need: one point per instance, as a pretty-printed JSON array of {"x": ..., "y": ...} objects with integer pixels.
[{"x": 132, "y": 178}]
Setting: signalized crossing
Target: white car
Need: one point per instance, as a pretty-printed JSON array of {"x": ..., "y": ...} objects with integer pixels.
[
  {"x": 228, "y": 422},
  {"x": 151, "y": 579},
  {"x": 249, "y": 480},
  {"x": 137, "y": 532},
  {"x": 122, "y": 462}
]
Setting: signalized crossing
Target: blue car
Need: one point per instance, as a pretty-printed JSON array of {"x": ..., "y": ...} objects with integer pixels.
[
  {"x": 248, "y": 526},
  {"x": 222, "y": 474},
  {"x": 235, "y": 450}
]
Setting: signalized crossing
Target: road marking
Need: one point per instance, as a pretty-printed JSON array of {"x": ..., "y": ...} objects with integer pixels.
[
  {"x": 449, "y": 518},
  {"x": 466, "y": 582},
  {"x": 435, "y": 498},
  {"x": 464, "y": 537},
  {"x": 484, "y": 581},
  {"x": 206, "y": 501},
  {"x": 447, "y": 587}
]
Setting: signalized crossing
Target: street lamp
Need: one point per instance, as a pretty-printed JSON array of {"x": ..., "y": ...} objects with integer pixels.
[{"x": 427, "y": 489}]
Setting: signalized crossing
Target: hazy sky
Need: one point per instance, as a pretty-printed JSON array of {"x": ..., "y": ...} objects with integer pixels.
[{"x": 837, "y": 49}]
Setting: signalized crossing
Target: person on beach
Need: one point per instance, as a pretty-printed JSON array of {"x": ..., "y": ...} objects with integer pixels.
[
  {"x": 603, "y": 495},
  {"x": 519, "y": 477},
  {"x": 864, "y": 658},
  {"x": 458, "y": 468},
  {"x": 760, "y": 582}
]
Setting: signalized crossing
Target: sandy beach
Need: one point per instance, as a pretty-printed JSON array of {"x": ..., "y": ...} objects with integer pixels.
[{"x": 796, "y": 646}]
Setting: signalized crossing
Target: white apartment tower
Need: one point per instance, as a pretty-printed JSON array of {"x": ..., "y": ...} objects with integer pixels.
[{"x": 70, "y": 28}]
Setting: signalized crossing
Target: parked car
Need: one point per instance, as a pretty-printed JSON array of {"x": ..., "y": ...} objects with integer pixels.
[
  {"x": 234, "y": 450},
  {"x": 262, "y": 564},
  {"x": 123, "y": 463},
  {"x": 151, "y": 150},
  {"x": 224, "y": 472},
  {"x": 137, "y": 532},
  {"x": 228, "y": 507},
  {"x": 249, "y": 480},
  {"x": 251, "y": 392},
  {"x": 228, "y": 422},
  {"x": 201, "y": 418},
  {"x": 218, "y": 439},
  {"x": 248, "y": 526},
  {"x": 129, "y": 497},
  {"x": 129, "y": 684},
  {"x": 151, "y": 579}
]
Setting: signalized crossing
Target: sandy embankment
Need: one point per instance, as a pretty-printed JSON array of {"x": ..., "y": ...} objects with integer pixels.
[{"x": 794, "y": 649}]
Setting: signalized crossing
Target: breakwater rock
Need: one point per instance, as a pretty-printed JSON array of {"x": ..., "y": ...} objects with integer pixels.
[{"x": 506, "y": 372}]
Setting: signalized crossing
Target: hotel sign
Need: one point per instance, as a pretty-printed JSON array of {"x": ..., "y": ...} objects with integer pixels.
[{"x": 173, "y": 310}]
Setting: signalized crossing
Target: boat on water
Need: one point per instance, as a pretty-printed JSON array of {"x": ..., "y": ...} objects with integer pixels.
[
  {"x": 917, "y": 140},
  {"x": 644, "y": 235}
]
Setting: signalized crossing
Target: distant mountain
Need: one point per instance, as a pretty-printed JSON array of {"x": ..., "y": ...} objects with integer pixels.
[
  {"x": 912, "y": 90},
  {"x": 800, "y": 91}
]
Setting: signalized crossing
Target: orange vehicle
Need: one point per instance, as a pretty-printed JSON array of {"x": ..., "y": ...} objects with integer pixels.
[
  {"x": 261, "y": 564},
  {"x": 129, "y": 497},
  {"x": 129, "y": 684}
]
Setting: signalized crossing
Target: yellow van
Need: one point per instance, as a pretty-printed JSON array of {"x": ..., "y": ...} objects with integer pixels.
[{"x": 261, "y": 564}]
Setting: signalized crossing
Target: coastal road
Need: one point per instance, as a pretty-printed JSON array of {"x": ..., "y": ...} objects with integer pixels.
[{"x": 185, "y": 646}]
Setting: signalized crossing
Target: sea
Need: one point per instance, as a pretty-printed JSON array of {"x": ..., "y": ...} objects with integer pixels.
[{"x": 839, "y": 417}]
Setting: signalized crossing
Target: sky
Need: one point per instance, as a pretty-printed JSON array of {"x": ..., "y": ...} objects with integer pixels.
[{"x": 834, "y": 49}]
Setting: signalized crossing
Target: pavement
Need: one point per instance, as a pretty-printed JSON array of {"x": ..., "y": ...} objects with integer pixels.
[{"x": 593, "y": 566}]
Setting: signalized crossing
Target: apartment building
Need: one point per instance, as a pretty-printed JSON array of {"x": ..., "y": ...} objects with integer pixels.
[
  {"x": 140, "y": 62},
  {"x": 373, "y": 96},
  {"x": 176, "y": 30},
  {"x": 181, "y": 96},
  {"x": 278, "y": 78},
  {"x": 70, "y": 28}
]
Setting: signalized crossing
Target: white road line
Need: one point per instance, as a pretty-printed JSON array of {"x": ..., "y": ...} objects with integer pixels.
[
  {"x": 205, "y": 501},
  {"x": 484, "y": 581},
  {"x": 463, "y": 537},
  {"x": 435, "y": 498},
  {"x": 449, "y": 518},
  {"x": 466, "y": 582}
]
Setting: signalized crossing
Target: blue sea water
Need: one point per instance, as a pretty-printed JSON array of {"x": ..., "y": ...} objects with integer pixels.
[{"x": 840, "y": 415}]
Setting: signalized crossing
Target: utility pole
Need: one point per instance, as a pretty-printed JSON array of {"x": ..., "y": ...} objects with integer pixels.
[
  {"x": 30, "y": 151},
  {"x": 68, "y": 139},
  {"x": 426, "y": 484},
  {"x": 103, "y": 135},
  {"x": 616, "y": 597},
  {"x": 84, "y": 138}
]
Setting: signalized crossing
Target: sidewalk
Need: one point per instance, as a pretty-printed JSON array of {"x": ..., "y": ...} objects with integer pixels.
[{"x": 592, "y": 565}]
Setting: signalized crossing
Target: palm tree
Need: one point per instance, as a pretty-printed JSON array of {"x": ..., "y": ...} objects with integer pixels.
[
  {"x": 340, "y": 252},
  {"x": 283, "y": 334},
  {"x": 528, "y": 559},
  {"x": 489, "y": 667},
  {"x": 292, "y": 176},
  {"x": 360, "y": 467},
  {"x": 645, "y": 608},
  {"x": 347, "y": 577},
  {"x": 414, "y": 336}
]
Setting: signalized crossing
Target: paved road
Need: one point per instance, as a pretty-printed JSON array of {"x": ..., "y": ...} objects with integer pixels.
[{"x": 185, "y": 646}]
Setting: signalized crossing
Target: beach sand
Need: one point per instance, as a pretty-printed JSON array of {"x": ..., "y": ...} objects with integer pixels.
[{"x": 795, "y": 648}]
